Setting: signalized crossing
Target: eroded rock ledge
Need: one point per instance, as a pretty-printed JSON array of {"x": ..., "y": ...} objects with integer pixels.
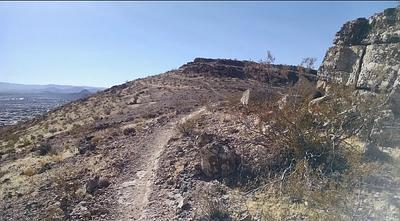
[
  {"x": 275, "y": 74},
  {"x": 366, "y": 54}
]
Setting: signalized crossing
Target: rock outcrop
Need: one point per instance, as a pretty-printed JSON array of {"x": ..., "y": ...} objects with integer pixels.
[
  {"x": 366, "y": 55},
  {"x": 275, "y": 74}
]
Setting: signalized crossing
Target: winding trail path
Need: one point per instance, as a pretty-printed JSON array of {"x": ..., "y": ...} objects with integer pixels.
[{"x": 133, "y": 195}]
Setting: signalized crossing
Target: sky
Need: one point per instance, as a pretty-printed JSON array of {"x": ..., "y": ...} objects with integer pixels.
[{"x": 108, "y": 43}]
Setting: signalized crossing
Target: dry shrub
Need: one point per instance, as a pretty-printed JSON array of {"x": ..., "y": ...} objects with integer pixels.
[
  {"x": 2, "y": 173},
  {"x": 129, "y": 131},
  {"x": 211, "y": 207},
  {"x": 53, "y": 130},
  {"x": 25, "y": 142},
  {"x": 205, "y": 101},
  {"x": 187, "y": 127},
  {"x": 289, "y": 127},
  {"x": 97, "y": 139},
  {"x": 303, "y": 146},
  {"x": 107, "y": 111},
  {"x": 44, "y": 149},
  {"x": 11, "y": 137},
  {"x": 29, "y": 172}
]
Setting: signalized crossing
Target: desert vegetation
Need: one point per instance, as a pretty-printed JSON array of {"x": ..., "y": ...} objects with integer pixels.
[
  {"x": 291, "y": 152},
  {"x": 313, "y": 150}
]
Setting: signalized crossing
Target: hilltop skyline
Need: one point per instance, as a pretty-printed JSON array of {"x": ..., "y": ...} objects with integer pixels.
[{"x": 107, "y": 43}]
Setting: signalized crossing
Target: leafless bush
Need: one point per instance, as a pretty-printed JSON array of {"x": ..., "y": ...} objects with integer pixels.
[
  {"x": 312, "y": 132},
  {"x": 308, "y": 63},
  {"x": 304, "y": 144},
  {"x": 44, "y": 149},
  {"x": 212, "y": 208},
  {"x": 187, "y": 127},
  {"x": 269, "y": 59}
]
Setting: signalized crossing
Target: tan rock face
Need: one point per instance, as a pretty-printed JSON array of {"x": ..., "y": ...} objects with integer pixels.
[
  {"x": 366, "y": 55},
  {"x": 380, "y": 68},
  {"x": 341, "y": 64}
]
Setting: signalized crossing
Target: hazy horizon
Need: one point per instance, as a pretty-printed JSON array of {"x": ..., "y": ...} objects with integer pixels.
[
  {"x": 102, "y": 44},
  {"x": 51, "y": 84}
]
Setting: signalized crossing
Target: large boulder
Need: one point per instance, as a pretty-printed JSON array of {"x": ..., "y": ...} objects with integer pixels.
[
  {"x": 218, "y": 159},
  {"x": 245, "y": 97},
  {"x": 384, "y": 27},
  {"x": 215, "y": 67}
]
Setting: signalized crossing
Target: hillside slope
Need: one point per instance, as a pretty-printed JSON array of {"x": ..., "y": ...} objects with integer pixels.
[
  {"x": 186, "y": 145},
  {"x": 80, "y": 159}
]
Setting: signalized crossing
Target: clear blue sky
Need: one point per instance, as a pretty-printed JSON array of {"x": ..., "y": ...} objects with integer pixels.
[{"x": 107, "y": 43}]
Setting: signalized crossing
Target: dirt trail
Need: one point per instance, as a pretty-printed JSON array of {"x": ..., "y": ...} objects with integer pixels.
[{"x": 133, "y": 195}]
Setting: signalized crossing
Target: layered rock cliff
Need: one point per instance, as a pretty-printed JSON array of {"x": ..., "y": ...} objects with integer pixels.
[{"x": 366, "y": 55}]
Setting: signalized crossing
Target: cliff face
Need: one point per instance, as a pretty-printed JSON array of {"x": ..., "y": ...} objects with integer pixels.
[{"x": 366, "y": 54}]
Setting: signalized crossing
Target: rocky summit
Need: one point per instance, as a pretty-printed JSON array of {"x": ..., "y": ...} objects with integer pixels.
[{"x": 221, "y": 139}]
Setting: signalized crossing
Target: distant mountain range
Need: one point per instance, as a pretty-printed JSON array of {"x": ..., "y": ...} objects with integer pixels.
[{"x": 49, "y": 88}]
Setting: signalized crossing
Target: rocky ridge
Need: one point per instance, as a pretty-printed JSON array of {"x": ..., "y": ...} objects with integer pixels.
[
  {"x": 275, "y": 74},
  {"x": 75, "y": 162}
]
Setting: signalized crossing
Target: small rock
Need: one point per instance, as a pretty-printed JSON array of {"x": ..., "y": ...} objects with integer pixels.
[
  {"x": 245, "y": 97},
  {"x": 96, "y": 183},
  {"x": 44, "y": 168},
  {"x": 91, "y": 185},
  {"x": 80, "y": 211},
  {"x": 182, "y": 202},
  {"x": 129, "y": 131},
  {"x": 103, "y": 183}
]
